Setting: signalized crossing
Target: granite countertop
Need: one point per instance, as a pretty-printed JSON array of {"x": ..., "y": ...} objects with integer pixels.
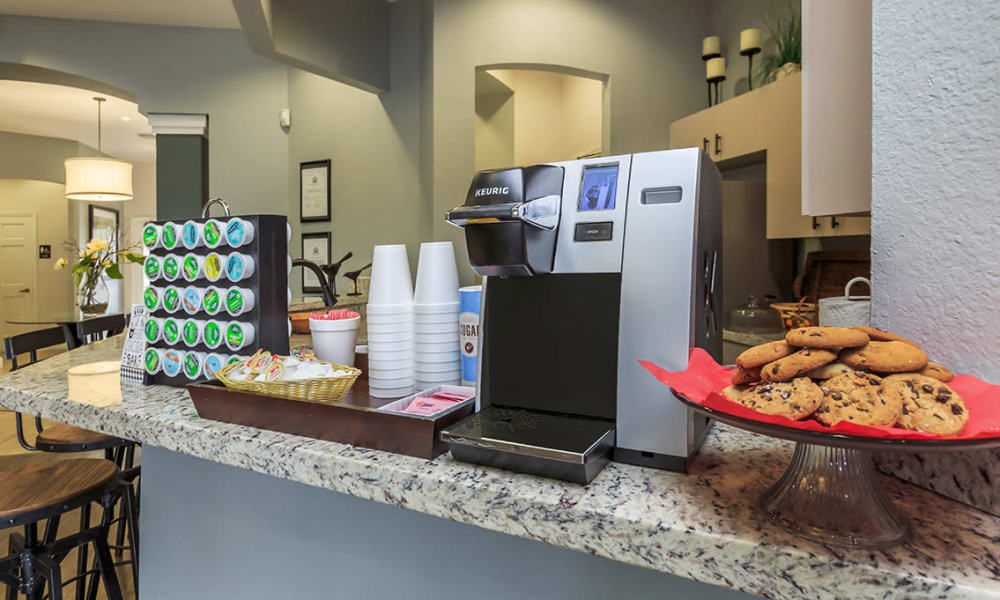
[{"x": 700, "y": 526}]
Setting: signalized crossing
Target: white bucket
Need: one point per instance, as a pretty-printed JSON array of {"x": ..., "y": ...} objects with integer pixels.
[{"x": 334, "y": 340}]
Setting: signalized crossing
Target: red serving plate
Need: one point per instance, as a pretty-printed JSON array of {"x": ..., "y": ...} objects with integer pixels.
[{"x": 701, "y": 385}]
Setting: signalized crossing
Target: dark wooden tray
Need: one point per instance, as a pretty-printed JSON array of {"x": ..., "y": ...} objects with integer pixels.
[{"x": 354, "y": 421}]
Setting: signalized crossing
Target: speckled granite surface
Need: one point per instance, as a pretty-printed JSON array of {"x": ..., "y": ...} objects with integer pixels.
[
  {"x": 969, "y": 477},
  {"x": 700, "y": 525}
]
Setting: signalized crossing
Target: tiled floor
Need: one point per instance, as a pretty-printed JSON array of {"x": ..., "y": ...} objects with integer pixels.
[{"x": 70, "y": 524}]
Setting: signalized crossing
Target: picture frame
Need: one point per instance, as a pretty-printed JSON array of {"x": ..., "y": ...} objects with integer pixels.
[
  {"x": 314, "y": 191},
  {"x": 103, "y": 222},
  {"x": 315, "y": 248}
]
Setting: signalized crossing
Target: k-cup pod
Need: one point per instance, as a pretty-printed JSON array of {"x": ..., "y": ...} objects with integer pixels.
[
  {"x": 152, "y": 267},
  {"x": 213, "y": 300},
  {"x": 239, "y": 301},
  {"x": 153, "y": 330},
  {"x": 154, "y": 360},
  {"x": 239, "y": 335},
  {"x": 171, "y": 299},
  {"x": 289, "y": 327},
  {"x": 170, "y": 235},
  {"x": 289, "y": 296},
  {"x": 171, "y": 331},
  {"x": 151, "y": 236},
  {"x": 288, "y": 263},
  {"x": 213, "y": 362},
  {"x": 213, "y": 233},
  {"x": 194, "y": 363},
  {"x": 239, "y": 266},
  {"x": 235, "y": 358},
  {"x": 191, "y": 299},
  {"x": 171, "y": 363},
  {"x": 215, "y": 263},
  {"x": 239, "y": 232},
  {"x": 152, "y": 298},
  {"x": 191, "y": 235},
  {"x": 214, "y": 333},
  {"x": 288, "y": 232},
  {"x": 171, "y": 267},
  {"x": 192, "y": 331},
  {"x": 194, "y": 267}
]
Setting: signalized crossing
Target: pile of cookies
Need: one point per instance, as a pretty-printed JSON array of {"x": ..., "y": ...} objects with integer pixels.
[{"x": 859, "y": 374}]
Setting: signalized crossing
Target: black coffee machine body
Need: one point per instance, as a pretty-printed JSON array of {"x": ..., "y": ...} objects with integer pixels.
[{"x": 590, "y": 266}]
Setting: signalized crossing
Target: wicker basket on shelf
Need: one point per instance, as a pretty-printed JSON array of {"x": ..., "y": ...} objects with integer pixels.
[{"x": 323, "y": 390}]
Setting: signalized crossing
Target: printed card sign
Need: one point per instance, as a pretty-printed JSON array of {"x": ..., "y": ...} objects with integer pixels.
[{"x": 134, "y": 349}]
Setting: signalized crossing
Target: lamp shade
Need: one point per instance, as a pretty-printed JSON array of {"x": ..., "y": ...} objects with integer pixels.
[{"x": 98, "y": 179}]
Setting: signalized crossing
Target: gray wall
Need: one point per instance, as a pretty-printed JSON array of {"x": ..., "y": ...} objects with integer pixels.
[
  {"x": 179, "y": 69},
  {"x": 935, "y": 182},
  {"x": 37, "y": 157},
  {"x": 727, "y": 18}
]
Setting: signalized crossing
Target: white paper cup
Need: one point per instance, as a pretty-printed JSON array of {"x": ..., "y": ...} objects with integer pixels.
[
  {"x": 171, "y": 300},
  {"x": 239, "y": 267},
  {"x": 421, "y": 329},
  {"x": 406, "y": 363},
  {"x": 445, "y": 367},
  {"x": 383, "y": 374},
  {"x": 170, "y": 236},
  {"x": 397, "y": 356},
  {"x": 421, "y": 347},
  {"x": 239, "y": 335},
  {"x": 446, "y": 307},
  {"x": 391, "y": 382},
  {"x": 385, "y": 319},
  {"x": 193, "y": 267},
  {"x": 191, "y": 235},
  {"x": 439, "y": 378},
  {"x": 152, "y": 267},
  {"x": 391, "y": 281},
  {"x": 171, "y": 268},
  {"x": 334, "y": 340},
  {"x": 390, "y": 336},
  {"x": 151, "y": 233},
  {"x": 153, "y": 360},
  {"x": 239, "y": 232},
  {"x": 193, "y": 365},
  {"x": 377, "y": 347},
  {"x": 398, "y": 392},
  {"x": 426, "y": 318},
  {"x": 239, "y": 301},
  {"x": 380, "y": 328},
  {"x": 214, "y": 333},
  {"x": 438, "y": 338},
  {"x": 213, "y": 233},
  {"x": 215, "y": 266},
  {"x": 437, "y": 275},
  {"x": 436, "y": 357}
]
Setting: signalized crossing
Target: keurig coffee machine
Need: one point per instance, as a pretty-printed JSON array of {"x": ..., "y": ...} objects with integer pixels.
[{"x": 590, "y": 266}]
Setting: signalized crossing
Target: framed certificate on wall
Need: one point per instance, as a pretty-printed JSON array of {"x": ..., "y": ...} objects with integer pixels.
[
  {"x": 314, "y": 191},
  {"x": 315, "y": 248}
]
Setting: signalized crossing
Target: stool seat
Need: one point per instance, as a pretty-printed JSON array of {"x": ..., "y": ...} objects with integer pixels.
[
  {"x": 57, "y": 437},
  {"x": 32, "y": 491}
]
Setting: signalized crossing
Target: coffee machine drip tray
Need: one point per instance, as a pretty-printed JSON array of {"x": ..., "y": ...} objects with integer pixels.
[{"x": 559, "y": 446}]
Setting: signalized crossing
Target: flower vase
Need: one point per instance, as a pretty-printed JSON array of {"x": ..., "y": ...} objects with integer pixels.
[{"x": 93, "y": 298}]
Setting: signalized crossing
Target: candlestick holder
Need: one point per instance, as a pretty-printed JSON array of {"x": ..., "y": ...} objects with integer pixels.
[
  {"x": 749, "y": 52},
  {"x": 713, "y": 83},
  {"x": 710, "y": 56}
]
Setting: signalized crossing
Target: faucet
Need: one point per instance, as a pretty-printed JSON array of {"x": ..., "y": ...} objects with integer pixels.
[
  {"x": 329, "y": 298},
  {"x": 331, "y": 271}
]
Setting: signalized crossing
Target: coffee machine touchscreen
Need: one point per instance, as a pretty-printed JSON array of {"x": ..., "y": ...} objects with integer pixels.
[{"x": 599, "y": 186}]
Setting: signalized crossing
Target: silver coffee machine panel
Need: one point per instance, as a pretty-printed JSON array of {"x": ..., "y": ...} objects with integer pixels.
[{"x": 626, "y": 266}]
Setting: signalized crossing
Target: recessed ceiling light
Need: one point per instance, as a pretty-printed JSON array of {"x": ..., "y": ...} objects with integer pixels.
[{"x": 126, "y": 119}]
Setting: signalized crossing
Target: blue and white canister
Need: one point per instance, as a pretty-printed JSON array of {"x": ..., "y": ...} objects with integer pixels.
[{"x": 469, "y": 299}]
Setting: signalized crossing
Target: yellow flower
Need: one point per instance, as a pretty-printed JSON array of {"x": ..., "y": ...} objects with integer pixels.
[
  {"x": 85, "y": 253},
  {"x": 97, "y": 245},
  {"x": 106, "y": 263},
  {"x": 60, "y": 264}
]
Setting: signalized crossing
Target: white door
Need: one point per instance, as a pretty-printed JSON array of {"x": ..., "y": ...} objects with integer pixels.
[{"x": 18, "y": 245}]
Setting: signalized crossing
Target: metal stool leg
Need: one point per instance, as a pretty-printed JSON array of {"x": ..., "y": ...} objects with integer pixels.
[
  {"x": 120, "y": 534},
  {"x": 81, "y": 557},
  {"x": 50, "y": 567},
  {"x": 107, "y": 566}
]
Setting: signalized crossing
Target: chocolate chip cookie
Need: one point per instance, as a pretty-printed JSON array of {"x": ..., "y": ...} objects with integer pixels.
[
  {"x": 883, "y": 336},
  {"x": 793, "y": 399},
  {"x": 885, "y": 357},
  {"x": 829, "y": 370},
  {"x": 735, "y": 392},
  {"x": 936, "y": 371},
  {"x": 793, "y": 365},
  {"x": 826, "y": 337},
  {"x": 759, "y": 356},
  {"x": 859, "y": 398},
  {"x": 928, "y": 404},
  {"x": 743, "y": 376}
]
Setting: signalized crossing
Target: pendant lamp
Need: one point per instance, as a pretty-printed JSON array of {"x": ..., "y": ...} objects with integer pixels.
[{"x": 98, "y": 179}]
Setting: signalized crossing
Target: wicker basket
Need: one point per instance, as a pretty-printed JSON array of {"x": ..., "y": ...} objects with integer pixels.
[
  {"x": 797, "y": 314},
  {"x": 323, "y": 390}
]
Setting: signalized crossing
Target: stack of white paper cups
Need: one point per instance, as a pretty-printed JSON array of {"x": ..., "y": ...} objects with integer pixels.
[
  {"x": 390, "y": 324},
  {"x": 435, "y": 317}
]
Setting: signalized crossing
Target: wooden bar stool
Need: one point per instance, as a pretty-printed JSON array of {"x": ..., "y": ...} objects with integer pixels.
[{"x": 33, "y": 489}]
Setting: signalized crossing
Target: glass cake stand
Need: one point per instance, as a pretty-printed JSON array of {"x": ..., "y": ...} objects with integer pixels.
[{"x": 830, "y": 493}]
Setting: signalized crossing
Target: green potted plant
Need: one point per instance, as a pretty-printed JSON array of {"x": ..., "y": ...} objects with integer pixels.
[
  {"x": 786, "y": 31},
  {"x": 96, "y": 260}
]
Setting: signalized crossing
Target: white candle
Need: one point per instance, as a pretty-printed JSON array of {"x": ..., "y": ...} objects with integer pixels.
[
  {"x": 715, "y": 67},
  {"x": 749, "y": 39},
  {"x": 710, "y": 45}
]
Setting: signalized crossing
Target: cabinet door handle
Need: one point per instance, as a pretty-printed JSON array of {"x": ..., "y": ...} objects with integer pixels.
[
  {"x": 815, "y": 223},
  {"x": 718, "y": 144},
  {"x": 704, "y": 144},
  {"x": 834, "y": 222}
]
